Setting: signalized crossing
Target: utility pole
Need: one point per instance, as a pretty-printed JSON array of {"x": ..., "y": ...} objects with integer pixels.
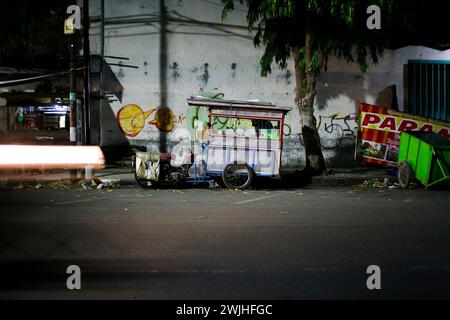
[
  {"x": 87, "y": 173},
  {"x": 73, "y": 92},
  {"x": 163, "y": 66},
  {"x": 87, "y": 71},
  {"x": 102, "y": 29},
  {"x": 102, "y": 55},
  {"x": 70, "y": 26},
  {"x": 73, "y": 99},
  {"x": 102, "y": 45}
]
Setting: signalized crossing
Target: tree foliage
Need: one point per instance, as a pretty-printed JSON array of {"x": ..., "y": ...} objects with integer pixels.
[
  {"x": 339, "y": 26},
  {"x": 311, "y": 31},
  {"x": 32, "y": 32}
]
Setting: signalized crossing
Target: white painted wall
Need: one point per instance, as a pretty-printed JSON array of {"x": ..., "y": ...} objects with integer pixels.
[{"x": 190, "y": 47}]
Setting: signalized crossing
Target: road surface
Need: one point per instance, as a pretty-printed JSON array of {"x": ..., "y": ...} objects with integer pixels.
[{"x": 310, "y": 243}]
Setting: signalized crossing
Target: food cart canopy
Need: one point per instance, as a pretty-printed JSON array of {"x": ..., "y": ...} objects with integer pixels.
[{"x": 240, "y": 104}]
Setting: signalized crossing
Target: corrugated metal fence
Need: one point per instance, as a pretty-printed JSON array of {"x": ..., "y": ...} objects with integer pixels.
[{"x": 429, "y": 89}]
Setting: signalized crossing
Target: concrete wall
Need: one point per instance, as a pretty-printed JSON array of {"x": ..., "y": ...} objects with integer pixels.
[{"x": 204, "y": 55}]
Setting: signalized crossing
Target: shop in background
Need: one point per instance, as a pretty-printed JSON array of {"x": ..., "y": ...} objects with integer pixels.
[{"x": 43, "y": 117}]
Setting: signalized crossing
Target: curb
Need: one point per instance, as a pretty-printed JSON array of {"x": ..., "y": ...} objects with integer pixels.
[{"x": 333, "y": 181}]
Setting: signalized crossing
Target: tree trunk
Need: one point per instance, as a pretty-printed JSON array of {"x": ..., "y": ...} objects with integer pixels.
[
  {"x": 315, "y": 163},
  {"x": 298, "y": 79}
]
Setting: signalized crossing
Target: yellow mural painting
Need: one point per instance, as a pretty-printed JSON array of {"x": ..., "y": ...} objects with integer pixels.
[
  {"x": 164, "y": 120},
  {"x": 132, "y": 119}
]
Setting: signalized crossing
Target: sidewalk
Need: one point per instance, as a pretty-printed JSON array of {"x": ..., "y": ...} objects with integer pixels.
[
  {"x": 125, "y": 176},
  {"x": 355, "y": 176},
  {"x": 107, "y": 176}
]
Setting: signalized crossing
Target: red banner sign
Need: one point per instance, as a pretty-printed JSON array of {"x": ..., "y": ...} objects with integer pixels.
[{"x": 379, "y": 132}]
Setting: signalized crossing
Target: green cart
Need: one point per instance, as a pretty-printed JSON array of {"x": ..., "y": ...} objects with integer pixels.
[{"x": 424, "y": 156}]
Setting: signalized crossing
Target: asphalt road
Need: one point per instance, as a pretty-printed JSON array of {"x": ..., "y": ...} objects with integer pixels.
[{"x": 219, "y": 244}]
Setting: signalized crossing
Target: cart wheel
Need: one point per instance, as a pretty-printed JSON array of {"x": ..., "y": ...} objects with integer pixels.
[
  {"x": 237, "y": 176},
  {"x": 404, "y": 174}
]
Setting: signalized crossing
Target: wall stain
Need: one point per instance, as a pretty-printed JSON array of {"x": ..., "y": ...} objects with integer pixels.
[
  {"x": 204, "y": 77},
  {"x": 145, "y": 68},
  {"x": 175, "y": 68},
  {"x": 285, "y": 77},
  {"x": 233, "y": 68}
]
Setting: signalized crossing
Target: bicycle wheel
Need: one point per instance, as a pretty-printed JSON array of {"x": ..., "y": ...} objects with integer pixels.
[
  {"x": 237, "y": 176},
  {"x": 332, "y": 137}
]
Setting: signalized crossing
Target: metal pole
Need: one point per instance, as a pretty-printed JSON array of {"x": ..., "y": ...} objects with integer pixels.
[
  {"x": 87, "y": 71},
  {"x": 102, "y": 54},
  {"x": 102, "y": 45},
  {"x": 73, "y": 100},
  {"x": 102, "y": 28},
  {"x": 163, "y": 66}
]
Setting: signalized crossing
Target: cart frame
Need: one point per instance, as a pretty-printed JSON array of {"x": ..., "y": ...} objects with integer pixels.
[
  {"x": 424, "y": 156},
  {"x": 261, "y": 155}
]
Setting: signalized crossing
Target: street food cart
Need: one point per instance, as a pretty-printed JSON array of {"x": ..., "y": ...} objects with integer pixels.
[
  {"x": 240, "y": 140},
  {"x": 245, "y": 139}
]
